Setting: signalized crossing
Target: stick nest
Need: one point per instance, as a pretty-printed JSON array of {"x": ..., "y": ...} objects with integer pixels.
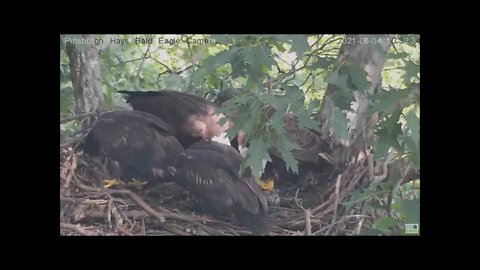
[{"x": 86, "y": 208}]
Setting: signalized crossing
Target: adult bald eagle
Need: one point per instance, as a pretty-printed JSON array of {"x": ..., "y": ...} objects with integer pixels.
[
  {"x": 192, "y": 117},
  {"x": 210, "y": 171},
  {"x": 137, "y": 145}
]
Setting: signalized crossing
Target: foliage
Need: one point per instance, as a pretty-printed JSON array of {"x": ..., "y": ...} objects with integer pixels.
[{"x": 287, "y": 72}]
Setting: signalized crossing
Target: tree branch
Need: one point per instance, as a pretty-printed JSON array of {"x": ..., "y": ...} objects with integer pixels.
[
  {"x": 76, "y": 228},
  {"x": 76, "y": 117}
]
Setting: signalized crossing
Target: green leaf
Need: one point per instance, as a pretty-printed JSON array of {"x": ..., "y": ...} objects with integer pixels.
[
  {"x": 376, "y": 205},
  {"x": 224, "y": 39},
  {"x": 213, "y": 62},
  {"x": 238, "y": 65},
  {"x": 388, "y": 132},
  {"x": 414, "y": 124},
  {"x": 292, "y": 92},
  {"x": 174, "y": 82},
  {"x": 411, "y": 71},
  {"x": 280, "y": 103},
  {"x": 222, "y": 121},
  {"x": 240, "y": 121},
  {"x": 339, "y": 124},
  {"x": 277, "y": 117},
  {"x": 342, "y": 98},
  {"x": 257, "y": 60},
  {"x": 381, "y": 147},
  {"x": 290, "y": 161},
  {"x": 358, "y": 77},
  {"x": 277, "y": 45},
  {"x": 409, "y": 210},
  {"x": 315, "y": 104},
  {"x": 386, "y": 99},
  {"x": 414, "y": 151},
  {"x": 371, "y": 232},
  {"x": 255, "y": 154},
  {"x": 246, "y": 120},
  {"x": 396, "y": 56},
  {"x": 338, "y": 79},
  {"x": 66, "y": 101},
  {"x": 305, "y": 121},
  {"x": 323, "y": 63},
  {"x": 386, "y": 223},
  {"x": 299, "y": 44},
  {"x": 285, "y": 146},
  {"x": 332, "y": 77}
]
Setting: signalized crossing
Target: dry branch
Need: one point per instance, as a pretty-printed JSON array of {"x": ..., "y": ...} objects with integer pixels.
[
  {"x": 132, "y": 195},
  {"x": 141, "y": 203},
  {"x": 308, "y": 224},
  {"x": 76, "y": 228},
  {"x": 76, "y": 117}
]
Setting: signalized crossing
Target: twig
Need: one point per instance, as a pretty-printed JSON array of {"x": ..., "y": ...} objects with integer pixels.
[
  {"x": 141, "y": 203},
  {"x": 379, "y": 178},
  {"x": 308, "y": 225},
  {"x": 142, "y": 228},
  {"x": 209, "y": 230},
  {"x": 172, "y": 229},
  {"x": 350, "y": 186},
  {"x": 232, "y": 231},
  {"x": 71, "y": 170},
  {"x": 68, "y": 199},
  {"x": 101, "y": 214},
  {"x": 360, "y": 223},
  {"x": 285, "y": 230},
  {"x": 145, "y": 56},
  {"x": 394, "y": 190},
  {"x": 124, "y": 231},
  {"x": 371, "y": 171},
  {"x": 165, "y": 66},
  {"x": 132, "y": 195},
  {"x": 190, "y": 51},
  {"x": 128, "y": 61},
  {"x": 109, "y": 213},
  {"x": 78, "y": 116},
  {"x": 338, "y": 221},
  {"x": 170, "y": 215},
  {"x": 335, "y": 207},
  {"x": 72, "y": 141},
  {"x": 296, "y": 200},
  {"x": 76, "y": 228}
]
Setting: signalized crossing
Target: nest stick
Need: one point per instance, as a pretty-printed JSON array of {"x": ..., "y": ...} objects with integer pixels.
[
  {"x": 75, "y": 117},
  {"x": 124, "y": 231},
  {"x": 76, "y": 228},
  {"x": 141, "y": 203},
  {"x": 132, "y": 195},
  {"x": 71, "y": 171},
  {"x": 335, "y": 204},
  {"x": 308, "y": 224},
  {"x": 360, "y": 223}
]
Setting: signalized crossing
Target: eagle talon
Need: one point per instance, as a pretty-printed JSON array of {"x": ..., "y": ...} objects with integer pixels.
[
  {"x": 266, "y": 185},
  {"x": 108, "y": 183}
]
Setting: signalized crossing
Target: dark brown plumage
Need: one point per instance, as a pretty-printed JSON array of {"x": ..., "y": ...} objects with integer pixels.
[
  {"x": 137, "y": 145},
  {"x": 192, "y": 117},
  {"x": 210, "y": 171}
]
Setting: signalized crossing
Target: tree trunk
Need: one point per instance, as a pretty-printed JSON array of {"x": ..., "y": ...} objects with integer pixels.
[
  {"x": 86, "y": 78},
  {"x": 371, "y": 59}
]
